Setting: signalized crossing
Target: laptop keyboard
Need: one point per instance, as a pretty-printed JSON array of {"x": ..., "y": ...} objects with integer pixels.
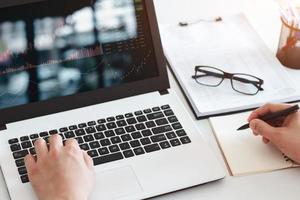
[{"x": 113, "y": 138}]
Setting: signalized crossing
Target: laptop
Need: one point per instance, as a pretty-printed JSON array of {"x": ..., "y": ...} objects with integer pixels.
[{"x": 95, "y": 71}]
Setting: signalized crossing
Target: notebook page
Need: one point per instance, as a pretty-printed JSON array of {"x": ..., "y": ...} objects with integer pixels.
[
  {"x": 244, "y": 152},
  {"x": 233, "y": 46}
]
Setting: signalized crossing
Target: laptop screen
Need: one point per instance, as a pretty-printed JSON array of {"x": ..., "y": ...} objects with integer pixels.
[{"x": 55, "y": 48}]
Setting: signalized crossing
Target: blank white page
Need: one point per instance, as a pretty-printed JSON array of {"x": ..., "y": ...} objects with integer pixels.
[{"x": 244, "y": 152}]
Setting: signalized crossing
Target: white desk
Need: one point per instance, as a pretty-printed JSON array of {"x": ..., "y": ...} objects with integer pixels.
[{"x": 264, "y": 17}]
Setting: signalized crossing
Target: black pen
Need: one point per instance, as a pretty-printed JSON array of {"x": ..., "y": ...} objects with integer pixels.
[{"x": 275, "y": 115}]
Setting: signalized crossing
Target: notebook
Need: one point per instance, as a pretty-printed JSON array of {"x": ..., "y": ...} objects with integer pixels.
[
  {"x": 233, "y": 46},
  {"x": 244, "y": 153}
]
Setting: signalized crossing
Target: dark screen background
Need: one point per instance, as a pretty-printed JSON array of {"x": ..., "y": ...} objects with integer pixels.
[{"x": 56, "y": 48}]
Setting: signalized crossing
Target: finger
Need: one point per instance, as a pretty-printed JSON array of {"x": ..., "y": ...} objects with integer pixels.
[
  {"x": 262, "y": 128},
  {"x": 71, "y": 143},
  {"x": 88, "y": 160},
  {"x": 40, "y": 148},
  {"x": 55, "y": 142},
  {"x": 268, "y": 108},
  {"x": 29, "y": 164},
  {"x": 265, "y": 140}
]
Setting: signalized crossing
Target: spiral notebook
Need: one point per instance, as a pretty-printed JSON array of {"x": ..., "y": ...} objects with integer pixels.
[{"x": 244, "y": 153}]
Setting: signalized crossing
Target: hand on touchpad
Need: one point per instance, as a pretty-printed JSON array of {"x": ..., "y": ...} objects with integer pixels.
[{"x": 116, "y": 183}]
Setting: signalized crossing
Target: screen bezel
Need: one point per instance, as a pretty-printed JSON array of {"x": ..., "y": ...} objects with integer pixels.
[{"x": 65, "y": 103}]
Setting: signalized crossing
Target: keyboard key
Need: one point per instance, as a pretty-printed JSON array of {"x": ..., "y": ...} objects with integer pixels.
[
  {"x": 24, "y": 138},
  {"x": 161, "y": 121},
  {"x": 91, "y": 123},
  {"x": 90, "y": 130},
  {"x": 155, "y": 109},
  {"x": 135, "y": 143},
  {"x": 64, "y": 129},
  {"x": 121, "y": 123},
  {"x": 82, "y": 125},
  {"x": 109, "y": 133},
  {"x": 94, "y": 145},
  {"x": 139, "y": 151},
  {"x": 126, "y": 137},
  {"x": 158, "y": 138},
  {"x": 181, "y": 133},
  {"x": 120, "y": 131},
  {"x": 140, "y": 126},
  {"x": 177, "y": 126},
  {"x": 114, "y": 148},
  {"x": 99, "y": 136},
  {"x": 12, "y": 141},
  {"x": 119, "y": 117},
  {"x": 146, "y": 111},
  {"x": 128, "y": 153},
  {"x": 111, "y": 125},
  {"x": 171, "y": 135},
  {"x": 168, "y": 112},
  {"x": 175, "y": 142},
  {"x": 141, "y": 118},
  {"x": 22, "y": 170},
  {"x": 88, "y": 138},
  {"x": 26, "y": 144},
  {"x": 136, "y": 135},
  {"x": 79, "y": 140},
  {"x": 20, "y": 162},
  {"x": 20, "y": 154},
  {"x": 130, "y": 129},
  {"x": 15, "y": 147},
  {"x": 44, "y": 134},
  {"x": 145, "y": 141},
  {"x": 110, "y": 119},
  {"x": 92, "y": 153},
  {"x": 150, "y": 124},
  {"x": 137, "y": 113},
  {"x": 32, "y": 151},
  {"x": 146, "y": 133},
  {"x": 24, "y": 178},
  {"x": 156, "y": 115},
  {"x": 108, "y": 158},
  {"x": 80, "y": 132},
  {"x": 34, "y": 136},
  {"x": 69, "y": 134},
  {"x": 73, "y": 127},
  {"x": 162, "y": 129},
  {"x": 103, "y": 151},
  {"x": 172, "y": 119},
  {"x": 84, "y": 147},
  {"x": 165, "y": 145},
  {"x": 105, "y": 142},
  {"x": 101, "y": 121},
  {"x": 164, "y": 107},
  {"x": 128, "y": 115},
  {"x": 124, "y": 146},
  {"x": 151, "y": 148},
  {"x": 185, "y": 140},
  {"x": 46, "y": 139},
  {"x": 53, "y": 132},
  {"x": 115, "y": 140},
  {"x": 131, "y": 121},
  {"x": 101, "y": 127}
]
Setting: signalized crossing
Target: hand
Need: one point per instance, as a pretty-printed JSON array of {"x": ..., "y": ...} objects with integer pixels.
[
  {"x": 62, "y": 172},
  {"x": 284, "y": 133}
]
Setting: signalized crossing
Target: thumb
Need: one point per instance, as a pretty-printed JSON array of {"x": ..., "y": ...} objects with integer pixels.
[{"x": 262, "y": 128}]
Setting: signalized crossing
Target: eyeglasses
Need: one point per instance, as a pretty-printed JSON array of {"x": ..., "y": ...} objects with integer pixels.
[{"x": 242, "y": 83}]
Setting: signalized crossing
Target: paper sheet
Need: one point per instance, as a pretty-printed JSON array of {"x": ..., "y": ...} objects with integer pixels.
[{"x": 233, "y": 46}]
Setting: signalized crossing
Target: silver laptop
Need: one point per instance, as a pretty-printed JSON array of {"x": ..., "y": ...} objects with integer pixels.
[{"x": 95, "y": 71}]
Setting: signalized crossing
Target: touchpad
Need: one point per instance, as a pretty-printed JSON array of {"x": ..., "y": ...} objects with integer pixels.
[{"x": 116, "y": 183}]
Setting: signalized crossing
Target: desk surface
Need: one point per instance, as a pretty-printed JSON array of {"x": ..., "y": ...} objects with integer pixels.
[{"x": 264, "y": 16}]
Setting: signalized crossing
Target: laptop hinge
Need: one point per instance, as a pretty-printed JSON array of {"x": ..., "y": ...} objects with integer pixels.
[
  {"x": 163, "y": 92},
  {"x": 3, "y": 127}
]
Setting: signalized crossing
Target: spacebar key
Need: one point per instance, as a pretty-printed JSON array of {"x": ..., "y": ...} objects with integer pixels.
[{"x": 108, "y": 158}]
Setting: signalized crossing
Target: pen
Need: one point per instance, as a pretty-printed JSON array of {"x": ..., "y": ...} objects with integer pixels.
[{"x": 275, "y": 115}]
